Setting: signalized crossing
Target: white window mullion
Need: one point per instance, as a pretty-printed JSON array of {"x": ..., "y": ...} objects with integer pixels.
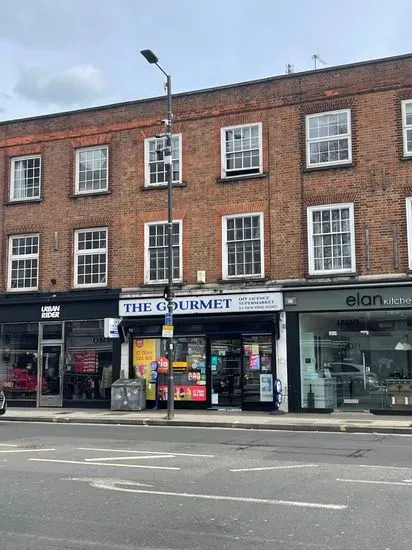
[
  {"x": 243, "y": 160},
  {"x": 91, "y": 257},
  {"x": 326, "y": 143},
  {"x": 157, "y": 252},
  {"x": 23, "y": 263},
  {"x": 242, "y": 246}
]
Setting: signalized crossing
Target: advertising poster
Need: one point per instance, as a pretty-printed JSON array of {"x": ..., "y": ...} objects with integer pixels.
[
  {"x": 85, "y": 362},
  {"x": 185, "y": 393},
  {"x": 144, "y": 354},
  {"x": 266, "y": 387},
  {"x": 254, "y": 362}
]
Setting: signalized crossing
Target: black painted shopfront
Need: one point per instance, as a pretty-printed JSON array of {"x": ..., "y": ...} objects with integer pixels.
[
  {"x": 53, "y": 351},
  {"x": 225, "y": 360},
  {"x": 350, "y": 348}
]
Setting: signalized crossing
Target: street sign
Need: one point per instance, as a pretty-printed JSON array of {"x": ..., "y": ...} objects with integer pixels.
[
  {"x": 168, "y": 318},
  {"x": 167, "y": 331}
]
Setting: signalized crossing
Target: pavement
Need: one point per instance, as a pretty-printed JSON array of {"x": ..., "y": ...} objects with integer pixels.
[{"x": 355, "y": 422}]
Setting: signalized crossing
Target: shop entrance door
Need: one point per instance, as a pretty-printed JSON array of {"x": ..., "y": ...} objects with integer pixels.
[
  {"x": 226, "y": 371},
  {"x": 50, "y": 375}
]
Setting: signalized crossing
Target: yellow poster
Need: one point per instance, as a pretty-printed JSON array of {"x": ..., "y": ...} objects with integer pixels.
[{"x": 144, "y": 353}]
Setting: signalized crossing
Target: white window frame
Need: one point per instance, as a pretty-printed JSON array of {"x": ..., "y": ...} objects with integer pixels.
[
  {"x": 311, "y": 256},
  {"x": 13, "y": 162},
  {"x": 225, "y": 274},
  {"x": 77, "y": 178},
  {"x": 409, "y": 229},
  {"x": 347, "y": 136},
  {"x": 147, "y": 278},
  {"x": 12, "y": 258},
  {"x": 406, "y": 128},
  {"x": 224, "y": 173},
  {"x": 147, "y": 142},
  {"x": 88, "y": 252}
]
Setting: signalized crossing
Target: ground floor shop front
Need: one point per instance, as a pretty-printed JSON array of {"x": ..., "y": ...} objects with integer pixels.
[
  {"x": 53, "y": 351},
  {"x": 225, "y": 349},
  {"x": 350, "y": 348}
]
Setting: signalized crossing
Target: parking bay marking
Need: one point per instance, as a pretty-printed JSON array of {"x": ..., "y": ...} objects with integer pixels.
[
  {"x": 25, "y": 450},
  {"x": 84, "y": 463},
  {"x": 113, "y": 486},
  {"x": 274, "y": 468}
]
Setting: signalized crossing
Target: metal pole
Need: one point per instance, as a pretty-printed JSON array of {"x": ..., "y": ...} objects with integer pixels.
[{"x": 169, "y": 170}]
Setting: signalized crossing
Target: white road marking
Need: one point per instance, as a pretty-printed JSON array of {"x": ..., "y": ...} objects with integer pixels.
[
  {"x": 113, "y": 487},
  {"x": 103, "y": 482},
  {"x": 136, "y": 457},
  {"x": 105, "y": 464},
  {"x": 144, "y": 452},
  {"x": 274, "y": 468},
  {"x": 384, "y": 467},
  {"x": 408, "y": 484},
  {"x": 26, "y": 450},
  {"x": 8, "y": 445}
]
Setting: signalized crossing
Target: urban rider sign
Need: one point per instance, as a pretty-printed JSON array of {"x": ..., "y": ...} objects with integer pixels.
[{"x": 189, "y": 305}]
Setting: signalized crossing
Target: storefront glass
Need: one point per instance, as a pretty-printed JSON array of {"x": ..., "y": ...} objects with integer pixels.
[
  {"x": 356, "y": 360},
  {"x": 150, "y": 362},
  {"x": 18, "y": 360},
  {"x": 88, "y": 362}
]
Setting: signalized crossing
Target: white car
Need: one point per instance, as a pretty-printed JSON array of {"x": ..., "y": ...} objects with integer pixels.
[{"x": 353, "y": 372}]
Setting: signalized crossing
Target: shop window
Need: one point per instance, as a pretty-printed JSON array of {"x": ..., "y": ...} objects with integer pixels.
[
  {"x": 150, "y": 362},
  {"x": 331, "y": 239},
  {"x": 242, "y": 254},
  {"x": 88, "y": 362},
  {"x": 157, "y": 252},
  {"x": 328, "y": 139},
  {"x": 241, "y": 150},
  {"x": 92, "y": 170},
  {"x": 18, "y": 360},
  {"x": 356, "y": 361},
  {"x": 23, "y": 272},
  {"x": 156, "y": 170},
  {"x": 25, "y": 178},
  {"x": 91, "y": 249}
]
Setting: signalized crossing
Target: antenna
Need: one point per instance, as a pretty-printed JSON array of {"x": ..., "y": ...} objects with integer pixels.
[
  {"x": 316, "y": 57},
  {"x": 289, "y": 69}
]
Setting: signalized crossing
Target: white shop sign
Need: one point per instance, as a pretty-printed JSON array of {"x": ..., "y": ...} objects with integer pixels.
[
  {"x": 253, "y": 302},
  {"x": 110, "y": 327}
]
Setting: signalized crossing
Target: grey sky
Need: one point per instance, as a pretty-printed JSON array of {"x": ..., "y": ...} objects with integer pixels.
[{"x": 64, "y": 54}]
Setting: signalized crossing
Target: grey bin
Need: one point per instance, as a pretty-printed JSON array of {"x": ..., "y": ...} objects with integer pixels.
[{"x": 128, "y": 395}]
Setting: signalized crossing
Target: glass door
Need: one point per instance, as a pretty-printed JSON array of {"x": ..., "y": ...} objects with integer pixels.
[
  {"x": 50, "y": 375},
  {"x": 226, "y": 371}
]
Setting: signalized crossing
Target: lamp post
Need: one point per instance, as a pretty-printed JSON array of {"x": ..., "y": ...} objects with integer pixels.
[{"x": 167, "y": 158}]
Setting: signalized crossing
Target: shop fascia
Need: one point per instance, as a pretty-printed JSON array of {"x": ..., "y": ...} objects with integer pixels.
[{"x": 252, "y": 302}]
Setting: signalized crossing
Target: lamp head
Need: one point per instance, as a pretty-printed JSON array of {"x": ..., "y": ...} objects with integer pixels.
[{"x": 149, "y": 56}]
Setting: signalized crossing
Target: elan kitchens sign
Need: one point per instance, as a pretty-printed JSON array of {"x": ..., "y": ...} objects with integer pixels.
[
  {"x": 204, "y": 304},
  {"x": 349, "y": 299}
]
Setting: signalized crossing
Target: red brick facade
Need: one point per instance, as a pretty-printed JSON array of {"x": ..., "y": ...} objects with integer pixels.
[{"x": 377, "y": 181}]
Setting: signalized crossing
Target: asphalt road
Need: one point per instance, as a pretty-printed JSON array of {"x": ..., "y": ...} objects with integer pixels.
[{"x": 140, "y": 488}]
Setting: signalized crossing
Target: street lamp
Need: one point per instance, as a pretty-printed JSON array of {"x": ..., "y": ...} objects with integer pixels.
[{"x": 167, "y": 157}]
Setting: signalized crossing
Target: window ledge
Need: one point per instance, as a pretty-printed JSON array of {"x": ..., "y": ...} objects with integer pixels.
[
  {"x": 155, "y": 285},
  {"x": 22, "y": 201},
  {"x": 235, "y": 179},
  {"x": 329, "y": 167},
  {"x": 162, "y": 186},
  {"x": 242, "y": 280},
  {"x": 406, "y": 157},
  {"x": 89, "y": 194},
  {"x": 88, "y": 288},
  {"x": 333, "y": 275}
]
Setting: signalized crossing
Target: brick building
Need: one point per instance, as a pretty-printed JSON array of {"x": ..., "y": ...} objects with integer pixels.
[{"x": 291, "y": 257}]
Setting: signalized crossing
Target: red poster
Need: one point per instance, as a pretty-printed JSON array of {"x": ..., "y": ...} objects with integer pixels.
[{"x": 85, "y": 362}]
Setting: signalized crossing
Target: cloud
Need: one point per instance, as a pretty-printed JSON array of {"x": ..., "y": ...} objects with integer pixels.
[{"x": 74, "y": 86}]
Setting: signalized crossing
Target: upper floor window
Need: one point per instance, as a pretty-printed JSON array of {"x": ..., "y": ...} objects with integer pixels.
[
  {"x": 241, "y": 150},
  {"x": 409, "y": 229},
  {"x": 157, "y": 253},
  {"x": 25, "y": 178},
  {"x": 23, "y": 268},
  {"x": 156, "y": 170},
  {"x": 90, "y": 260},
  {"x": 92, "y": 169},
  {"x": 328, "y": 139},
  {"x": 407, "y": 127},
  {"x": 242, "y": 246},
  {"x": 331, "y": 239}
]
